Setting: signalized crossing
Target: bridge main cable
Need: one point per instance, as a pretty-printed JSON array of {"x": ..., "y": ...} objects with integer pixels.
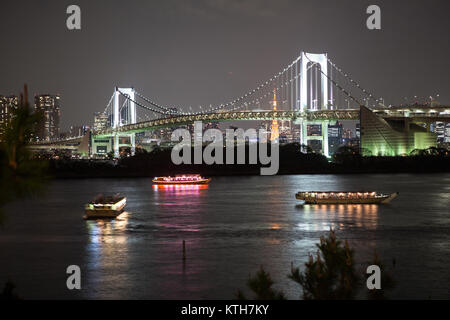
[
  {"x": 141, "y": 105},
  {"x": 166, "y": 109}
]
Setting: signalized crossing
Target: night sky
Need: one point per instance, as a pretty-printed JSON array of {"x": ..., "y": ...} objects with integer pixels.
[{"x": 208, "y": 52}]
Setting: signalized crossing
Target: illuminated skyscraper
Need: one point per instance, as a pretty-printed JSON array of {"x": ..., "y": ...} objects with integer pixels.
[
  {"x": 100, "y": 121},
  {"x": 334, "y": 137},
  {"x": 49, "y": 106},
  {"x": 274, "y": 133},
  {"x": 7, "y": 105}
]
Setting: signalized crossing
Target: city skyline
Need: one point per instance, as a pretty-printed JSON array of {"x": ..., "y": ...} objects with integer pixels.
[{"x": 186, "y": 53}]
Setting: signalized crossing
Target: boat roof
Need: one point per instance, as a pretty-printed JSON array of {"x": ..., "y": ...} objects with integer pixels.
[
  {"x": 107, "y": 199},
  {"x": 339, "y": 191}
]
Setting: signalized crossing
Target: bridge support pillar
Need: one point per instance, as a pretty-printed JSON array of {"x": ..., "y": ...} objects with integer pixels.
[
  {"x": 304, "y": 138},
  {"x": 325, "y": 150},
  {"x": 304, "y": 132},
  {"x": 116, "y": 146},
  {"x": 133, "y": 144}
]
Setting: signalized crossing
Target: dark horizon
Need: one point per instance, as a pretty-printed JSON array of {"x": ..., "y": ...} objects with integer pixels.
[{"x": 207, "y": 52}]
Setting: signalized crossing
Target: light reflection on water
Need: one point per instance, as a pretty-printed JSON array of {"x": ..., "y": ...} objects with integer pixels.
[
  {"x": 106, "y": 238},
  {"x": 231, "y": 227},
  {"x": 337, "y": 216}
]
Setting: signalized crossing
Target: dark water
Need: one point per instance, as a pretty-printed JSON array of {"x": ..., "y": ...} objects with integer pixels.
[{"x": 231, "y": 227}]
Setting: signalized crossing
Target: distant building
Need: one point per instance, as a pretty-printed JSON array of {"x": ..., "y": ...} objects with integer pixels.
[
  {"x": 79, "y": 131},
  {"x": 334, "y": 137},
  {"x": 439, "y": 129},
  {"x": 358, "y": 130},
  {"x": 380, "y": 137},
  {"x": 314, "y": 130},
  {"x": 49, "y": 105},
  {"x": 7, "y": 106},
  {"x": 100, "y": 121},
  {"x": 447, "y": 133},
  {"x": 347, "y": 134},
  {"x": 211, "y": 125}
]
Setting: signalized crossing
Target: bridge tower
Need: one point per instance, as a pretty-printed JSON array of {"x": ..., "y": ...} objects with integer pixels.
[
  {"x": 320, "y": 59},
  {"x": 123, "y": 115}
]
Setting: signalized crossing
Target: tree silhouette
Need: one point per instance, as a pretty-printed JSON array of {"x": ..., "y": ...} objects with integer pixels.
[
  {"x": 21, "y": 175},
  {"x": 261, "y": 285},
  {"x": 331, "y": 275}
]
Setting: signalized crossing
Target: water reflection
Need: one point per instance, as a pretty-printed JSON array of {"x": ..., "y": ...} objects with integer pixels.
[
  {"x": 181, "y": 188},
  {"x": 106, "y": 239},
  {"x": 180, "y": 214},
  {"x": 339, "y": 216}
]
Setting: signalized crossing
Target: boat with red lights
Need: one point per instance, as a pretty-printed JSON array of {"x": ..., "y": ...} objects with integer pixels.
[
  {"x": 338, "y": 197},
  {"x": 182, "y": 179},
  {"x": 105, "y": 207}
]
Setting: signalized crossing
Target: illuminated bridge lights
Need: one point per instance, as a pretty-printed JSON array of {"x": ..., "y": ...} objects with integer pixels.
[{"x": 352, "y": 114}]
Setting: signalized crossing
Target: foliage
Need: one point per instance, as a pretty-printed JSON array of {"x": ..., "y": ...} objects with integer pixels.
[
  {"x": 8, "y": 292},
  {"x": 261, "y": 285},
  {"x": 346, "y": 153},
  {"x": 332, "y": 274},
  {"x": 20, "y": 175}
]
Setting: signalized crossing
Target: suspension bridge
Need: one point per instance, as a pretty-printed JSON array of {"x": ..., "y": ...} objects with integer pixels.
[{"x": 312, "y": 90}]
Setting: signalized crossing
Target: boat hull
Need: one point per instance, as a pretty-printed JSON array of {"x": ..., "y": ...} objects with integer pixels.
[
  {"x": 202, "y": 181},
  {"x": 369, "y": 200},
  {"x": 107, "y": 212},
  {"x": 102, "y": 214}
]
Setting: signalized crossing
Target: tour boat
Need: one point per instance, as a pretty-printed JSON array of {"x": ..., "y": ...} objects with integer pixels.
[
  {"x": 337, "y": 197},
  {"x": 182, "y": 179},
  {"x": 105, "y": 207}
]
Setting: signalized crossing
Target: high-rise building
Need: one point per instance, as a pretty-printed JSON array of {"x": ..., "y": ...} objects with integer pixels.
[
  {"x": 7, "y": 105},
  {"x": 439, "y": 129},
  {"x": 100, "y": 121},
  {"x": 334, "y": 137},
  {"x": 447, "y": 133},
  {"x": 49, "y": 105}
]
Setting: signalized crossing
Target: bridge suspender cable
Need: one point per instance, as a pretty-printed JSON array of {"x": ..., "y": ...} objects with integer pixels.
[
  {"x": 337, "y": 85},
  {"x": 109, "y": 104},
  {"x": 347, "y": 76}
]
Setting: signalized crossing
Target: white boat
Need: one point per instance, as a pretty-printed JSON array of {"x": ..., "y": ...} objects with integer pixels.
[{"x": 105, "y": 207}]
